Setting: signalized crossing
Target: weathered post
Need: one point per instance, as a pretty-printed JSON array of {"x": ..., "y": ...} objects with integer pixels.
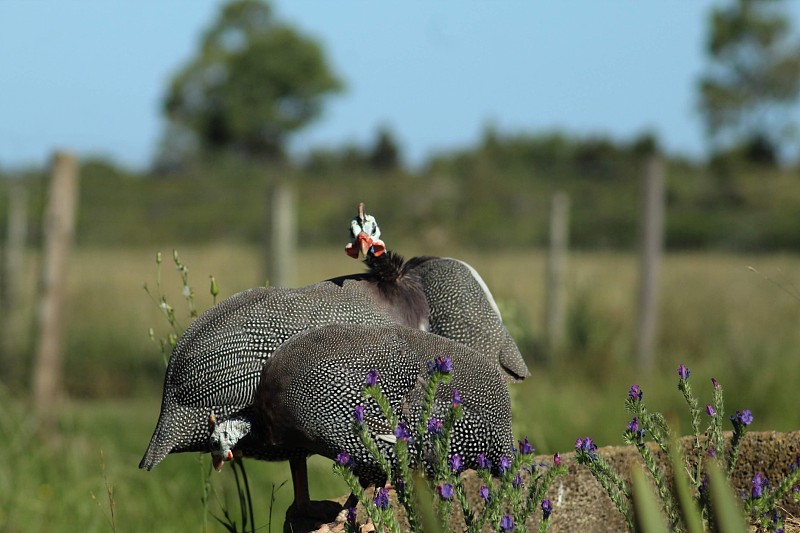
[
  {"x": 556, "y": 311},
  {"x": 12, "y": 282},
  {"x": 652, "y": 243},
  {"x": 59, "y": 229},
  {"x": 284, "y": 235}
]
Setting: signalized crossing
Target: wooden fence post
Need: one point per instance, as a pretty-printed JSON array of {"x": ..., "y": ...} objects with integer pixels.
[
  {"x": 59, "y": 229},
  {"x": 652, "y": 244},
  {"x": 556, "y": 312},
  {"x": 284, "y": 235},
  {"x": 13, "y": 279}
]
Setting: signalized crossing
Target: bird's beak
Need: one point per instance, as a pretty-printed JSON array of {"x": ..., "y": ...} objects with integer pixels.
[
  {"x": 219, "y": 460},
  {"x": 364, "y": 242}
]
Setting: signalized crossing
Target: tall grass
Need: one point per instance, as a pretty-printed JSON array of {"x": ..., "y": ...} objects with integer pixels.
[{"x": 718, "y": 317}]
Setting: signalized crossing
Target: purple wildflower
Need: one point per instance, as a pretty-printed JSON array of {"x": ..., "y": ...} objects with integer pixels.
[
  {"x": 435, "y": 426},
  {"x": 586, "y": 445},
  {"x": 710, "y": 410},
  {"x": 547, "y": 508},
  {"x": 372, "y": 378},
  {"x": 758, "y": 485},
  {"x": 635, "y": 393},
  {"x": 445, "y": 491},
  {"x": 455, "y": 463},
  {"x": 352, "y": 513},
  {"x": 505, "y": 464},
  {"x": 484, "y": 493},
  {"x": 525, "y": 447},
  {"x": 402, "y": 432},
  {"x": 711, "y": 451},
  {"x": 344, "y": 459},
  {"x": 742, "y": 418},
  {"x": 381, "y": 499},
  {"x": 517, "y": 481},
  {"x": 442, "y": 364},
  {"x": 634, "y": 430},
  {"x": 457, "y": 400},
  {"x": 715, "y": 383},
  {"x": 683, "y": 372},
  {"x": 358, "y": 413},
  {"x": 557, "y": 459},
  {"x": 483, "y": 462},
  {"x": 506, "y": 523}
]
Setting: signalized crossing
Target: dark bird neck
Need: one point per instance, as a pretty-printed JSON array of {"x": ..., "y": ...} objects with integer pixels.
[{"x": 399, "y": 288}]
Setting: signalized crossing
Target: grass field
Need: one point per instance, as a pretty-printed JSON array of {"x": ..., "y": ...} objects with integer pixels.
[{"x": 718, "y": 316}]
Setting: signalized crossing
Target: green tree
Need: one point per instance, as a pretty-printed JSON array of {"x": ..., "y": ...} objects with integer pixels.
[
  {"x": 385, "y": 155},
  {"x": 753, "y": 79},
  {"x": 253, "y": 82}
]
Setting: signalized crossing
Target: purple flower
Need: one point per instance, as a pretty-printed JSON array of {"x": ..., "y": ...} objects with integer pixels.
[
  {"x": 742, "y": 418},
  {"x": 352, "y": 513},
  {"x": 586, "y": 445},
  {"x": 372, "y": 378},
  {"x": 683, "y": 372},
  {"x": 445, "y": 491},
  {"x": 557, "y": 459},
  {"x": 634, "y": 431},
  {"x": 505, "y": 464},
  {"x": 358, "y": 413},
  {"x": 506, "y": 523},
  {"x": 484, "y": 493},
  {"x": 635, "y": 393},
  {"x": 483, "y": 462},
  {"x": 711, "y": 452},
  {"x": 457, "y": 398},
  {"x": 442, "y": 364},
  {"x": 455, "y": 463},
  {"x": 715, "y": 383},
  {"x": 517, "y": 481},
  {"x": 381, "y": 499},
  {"x": 525, "y": 447},
  {"x": 547, "y": 508},
  {"x": 435, "y": 426},
  {"x": 710, "y": 410},
  {"x": 758, "y": 485},
  {"x": 344, "y": 459},
  {"x": 402, "y": 432}
]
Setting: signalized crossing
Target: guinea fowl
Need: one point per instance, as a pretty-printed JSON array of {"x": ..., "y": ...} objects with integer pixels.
[
  {"x": 216, "y": 366},
  {"x": 312, "y": 383}
]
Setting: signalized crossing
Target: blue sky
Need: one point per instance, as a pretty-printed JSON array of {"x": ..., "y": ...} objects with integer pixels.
[{"x": 89, "y": 75}]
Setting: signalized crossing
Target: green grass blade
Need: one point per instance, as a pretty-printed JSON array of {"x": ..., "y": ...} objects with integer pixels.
[
  {"x": 690, "y": 514},
  {"x": 724, "y": 504},
  {"x": 647, "y": 514}
]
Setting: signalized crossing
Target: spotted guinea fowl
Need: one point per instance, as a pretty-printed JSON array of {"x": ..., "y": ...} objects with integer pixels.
[
  {"x": 312, "y": 383},
  {"x": 215, "y": 367},
  {"x": 461, "y": 305}
]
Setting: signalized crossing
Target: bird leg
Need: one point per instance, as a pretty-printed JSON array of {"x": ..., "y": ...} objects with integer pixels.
[{"x": 303, "y": 514}]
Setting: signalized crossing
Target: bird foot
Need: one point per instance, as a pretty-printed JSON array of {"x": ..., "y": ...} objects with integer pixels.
[{"x": 311, "y": 516}]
